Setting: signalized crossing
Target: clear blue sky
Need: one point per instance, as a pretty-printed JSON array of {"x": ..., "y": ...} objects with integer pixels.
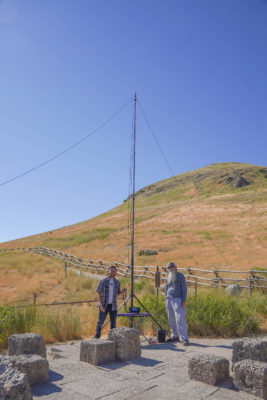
[{"x": 199, "y": 70}]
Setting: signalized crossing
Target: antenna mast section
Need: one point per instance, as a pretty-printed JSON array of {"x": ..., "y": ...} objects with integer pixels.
[{"x": 133, "y": 200}]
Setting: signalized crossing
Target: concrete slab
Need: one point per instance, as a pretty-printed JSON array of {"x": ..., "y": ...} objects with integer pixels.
[{"x": 161, "y": 373}]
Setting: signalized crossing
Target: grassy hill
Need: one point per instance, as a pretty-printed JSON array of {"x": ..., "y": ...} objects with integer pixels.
[{"x": 213, "y": 216}]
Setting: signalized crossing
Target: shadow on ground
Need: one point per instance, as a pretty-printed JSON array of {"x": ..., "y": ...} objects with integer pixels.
[{"x": 48, "y": 388}]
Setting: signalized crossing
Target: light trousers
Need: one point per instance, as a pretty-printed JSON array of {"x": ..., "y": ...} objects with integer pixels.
[{"x": 177, "y": 318}]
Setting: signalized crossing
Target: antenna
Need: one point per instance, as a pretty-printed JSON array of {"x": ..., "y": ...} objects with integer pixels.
[
  {"x": 133, "y": 313},
  {"x": 133, "y": 200}
]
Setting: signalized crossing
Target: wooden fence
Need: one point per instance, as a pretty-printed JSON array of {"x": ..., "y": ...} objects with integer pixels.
[{"x": 194, "y": 276}]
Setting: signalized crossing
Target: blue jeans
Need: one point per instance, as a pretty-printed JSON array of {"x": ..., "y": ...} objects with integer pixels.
[{"x": 101, "y": 318}]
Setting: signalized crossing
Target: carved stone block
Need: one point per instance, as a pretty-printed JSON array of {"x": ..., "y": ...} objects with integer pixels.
[
  {"x": 251, "y": 376},
  {"x": 208, "y": 368},
  {"x": 97, "y": 351},
  {"x": 127, "y": 341},
  {"x": 26, "y": 343}
]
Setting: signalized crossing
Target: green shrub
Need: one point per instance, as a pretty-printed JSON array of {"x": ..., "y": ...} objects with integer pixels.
[
  {"x": 212, "y": 314},
  {"x": 15, "y": 320},
  {"x": 157, "y": 310},
  {"x": 217, "y": 314},
  {"x": 53, "y": 324}
]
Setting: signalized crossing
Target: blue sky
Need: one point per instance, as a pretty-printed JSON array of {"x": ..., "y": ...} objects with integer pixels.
[{"x": 199, "y": 70}]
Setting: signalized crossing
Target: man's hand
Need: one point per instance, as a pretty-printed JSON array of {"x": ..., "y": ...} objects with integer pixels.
[
  {"x": 124, "y": 290},
  {"x": 183, "y": 303},
  {"x": 102, "y": 308}
]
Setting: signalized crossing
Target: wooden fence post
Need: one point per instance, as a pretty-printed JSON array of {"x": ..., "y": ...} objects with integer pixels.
[
  {"x": 216, "y": 279},
  {"x": 251, "y": 285},
  {"x": 34, "y": 298},
  {"x": 195, "y": 285},
  {"x": 66, "y": 270},
  {"x": 157, "y": 282}
]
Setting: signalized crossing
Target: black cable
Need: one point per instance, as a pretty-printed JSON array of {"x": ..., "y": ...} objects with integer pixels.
[
  {"x": 68, "y": 148},
  {"x": 155, "y": 138}
]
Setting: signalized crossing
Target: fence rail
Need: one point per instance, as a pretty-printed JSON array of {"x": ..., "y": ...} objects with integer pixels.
[{"x": 194, "y": 276}]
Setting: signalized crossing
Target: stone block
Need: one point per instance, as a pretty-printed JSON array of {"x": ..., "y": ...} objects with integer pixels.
[
  {"x": 234, "y": 290},
  {"x": 26, "y": 343},
  {"x": 34, "y": 366},
  {"x": 208, "y": 368},
  {"x": 127, "y": 341},
  {"x": 249, "y": 349},
  {"x": 14, "y": 385},
  {"x": 97, "y": 351},
  {"x": 251, "y": 376}
]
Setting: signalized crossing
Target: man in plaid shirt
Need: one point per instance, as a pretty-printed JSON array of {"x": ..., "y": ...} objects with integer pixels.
[{"x": 108, "y": 290}]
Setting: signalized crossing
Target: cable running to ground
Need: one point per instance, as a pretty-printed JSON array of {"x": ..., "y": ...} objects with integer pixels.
[{"x": 68, "y": 148}]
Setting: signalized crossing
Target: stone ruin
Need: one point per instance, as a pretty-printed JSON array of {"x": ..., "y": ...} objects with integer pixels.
[
  {"x": 26, "y": 343},
  {"x": 123, "y": 344},
  {"x": 13, "y": 384},
  {"x": 249, "y": 366},
  {"x": 127, "y": 342},
  {"x": 97, "y": 351},
  {"x": 207, "y": 368},
  {"x": 25, "y": 365},
  {"x": 234, "y": 290},
  {"x": 147, "y": 252}
]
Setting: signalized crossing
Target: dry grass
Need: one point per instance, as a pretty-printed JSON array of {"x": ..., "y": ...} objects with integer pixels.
[{"x": 194, "y": 220}]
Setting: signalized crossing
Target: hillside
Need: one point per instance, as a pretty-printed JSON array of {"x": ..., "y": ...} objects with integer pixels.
[{"x": 213, "y": 216}]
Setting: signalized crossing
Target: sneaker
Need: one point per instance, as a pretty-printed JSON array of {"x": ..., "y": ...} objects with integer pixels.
[
  {"x": 173, "y": 339},
  {"x": 185, "y": 342}
]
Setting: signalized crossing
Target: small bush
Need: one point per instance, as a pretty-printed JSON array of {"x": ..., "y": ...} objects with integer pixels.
[
  {"x": 214, "y": 314},
  {"x": 211, "y": 314},
  {"x": 53, "y": 324},
  {"x": 15, "y": 320},
  {"x": 58, "y": 324}
]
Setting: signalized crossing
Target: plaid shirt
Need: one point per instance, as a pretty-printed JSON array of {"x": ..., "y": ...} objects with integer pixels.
[{"x": 103, "y": 290}]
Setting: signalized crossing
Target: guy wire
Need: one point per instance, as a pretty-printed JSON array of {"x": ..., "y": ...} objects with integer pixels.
[{"x": 173, "y": 175}]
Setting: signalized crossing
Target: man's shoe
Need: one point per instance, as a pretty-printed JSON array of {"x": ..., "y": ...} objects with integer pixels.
[
  {"x": 173, "y": 339},
  {"x": 185, "y": 342},
  {"x": 96, "y": 337}
]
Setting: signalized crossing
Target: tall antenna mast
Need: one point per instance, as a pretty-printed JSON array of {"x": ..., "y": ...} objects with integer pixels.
[
  {"x": 132, "y": 311},
  {"x": 133, "y": 200}
]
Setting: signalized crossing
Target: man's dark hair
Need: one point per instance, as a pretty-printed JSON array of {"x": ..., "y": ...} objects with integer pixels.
[{"x": 112, "y": 266}]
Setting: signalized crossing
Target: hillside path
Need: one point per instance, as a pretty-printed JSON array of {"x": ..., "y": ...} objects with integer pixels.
[{"x": 161, "y": 373}]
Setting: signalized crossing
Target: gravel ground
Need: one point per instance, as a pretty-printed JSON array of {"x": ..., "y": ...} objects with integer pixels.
[{"x": 160, "y": 373}]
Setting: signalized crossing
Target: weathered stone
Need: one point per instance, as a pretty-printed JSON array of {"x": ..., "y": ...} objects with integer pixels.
[
  {"x": 147, "y": 252},
  {"x": 34, "y": 366},
  {"x": 26, "y": 343},
  {"x": 97, "y": 351},
  {"x": 251, "y": 376},
  {"x": 14, "y": 385},
  {"x": 208, "y": 368},
  {"x": 240, "y": 182},
  {"x": 127, "y": 341},
  {"x": 234, "y": 290},
  {"x": 249, "y": 348},
  {"x": 55, "y": 353}
]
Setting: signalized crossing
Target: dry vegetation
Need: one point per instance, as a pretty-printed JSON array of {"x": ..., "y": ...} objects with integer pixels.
[{"x": 197, "y": 219}]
